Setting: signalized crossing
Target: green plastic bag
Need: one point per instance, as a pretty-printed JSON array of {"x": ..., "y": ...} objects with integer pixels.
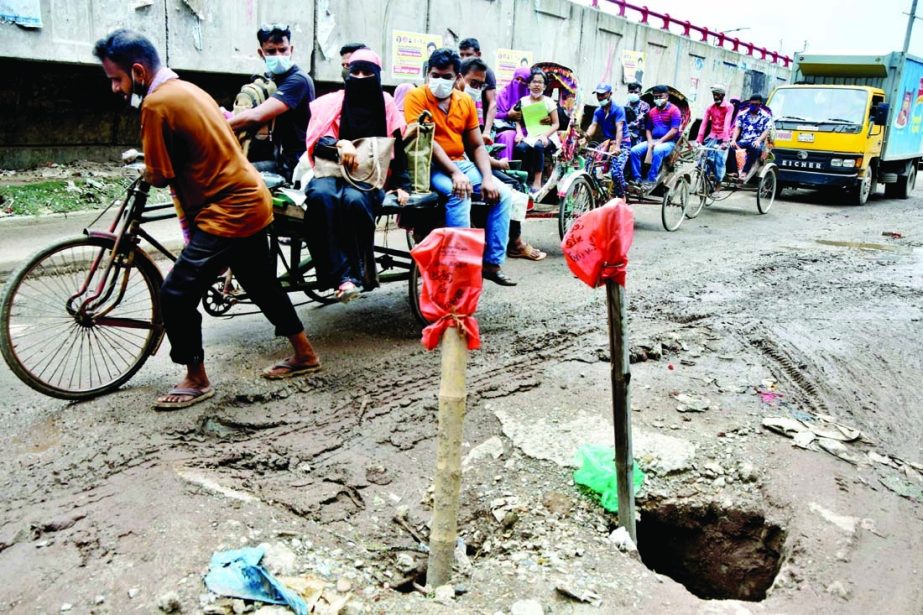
[{"x": 597, "y": 472}]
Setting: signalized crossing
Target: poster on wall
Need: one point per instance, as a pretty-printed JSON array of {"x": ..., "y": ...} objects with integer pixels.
[
  {"x": 508, "y": 60},
  {"x": 632, "y": 66},
  {"x": 25, "y": 13},
  {"x": 693, "y": 88},
  {"x": 409, "y": 52}
]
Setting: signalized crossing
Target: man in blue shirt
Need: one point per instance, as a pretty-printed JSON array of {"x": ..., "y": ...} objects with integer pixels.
[{"x": 609, "y": 118}]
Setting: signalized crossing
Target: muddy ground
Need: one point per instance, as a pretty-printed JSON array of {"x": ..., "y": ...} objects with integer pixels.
[{"x": 108, "y": 505}]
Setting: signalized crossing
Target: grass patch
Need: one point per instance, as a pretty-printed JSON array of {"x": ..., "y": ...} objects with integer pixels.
[{"x": 59, "y": 196}]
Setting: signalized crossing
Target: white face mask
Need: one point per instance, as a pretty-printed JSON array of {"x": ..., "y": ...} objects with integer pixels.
[
  {"x": 474, "y": 93},
  {"x": 441, "y": 88},
  {"x": 277, "y": 64}
]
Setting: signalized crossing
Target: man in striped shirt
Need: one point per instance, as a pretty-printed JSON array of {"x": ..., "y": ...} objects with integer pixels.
[{"x": 664, "y": 121}]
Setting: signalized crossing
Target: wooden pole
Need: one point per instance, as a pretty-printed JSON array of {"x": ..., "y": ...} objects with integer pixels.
[
  {"x": 447, "y": 484},
  {"x": 621, "y": 404}
]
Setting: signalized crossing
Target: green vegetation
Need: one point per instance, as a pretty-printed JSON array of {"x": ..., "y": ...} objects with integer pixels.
[{"x": 60, "y": 195}]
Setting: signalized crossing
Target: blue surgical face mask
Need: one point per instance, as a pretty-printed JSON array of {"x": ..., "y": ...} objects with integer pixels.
[
  {"x": 605, "y": 102},
  {"x": 633, "y": 98},
  {"x": 278, "y": 64}
]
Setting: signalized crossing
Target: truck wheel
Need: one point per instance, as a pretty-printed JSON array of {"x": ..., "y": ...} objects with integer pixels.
[
  {"x": 905, "y": 183},
  {"x": 860, "y": 194}
]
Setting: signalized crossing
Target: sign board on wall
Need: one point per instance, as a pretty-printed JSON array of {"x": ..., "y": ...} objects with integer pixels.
[
  {"x": 632, "y": 66},
  {"x": 409, "y": 52},
  {"x": 508, "y": 60}
]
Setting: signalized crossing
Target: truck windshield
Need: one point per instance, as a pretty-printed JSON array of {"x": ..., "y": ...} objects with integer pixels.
[{"x": 832, "y": 106}]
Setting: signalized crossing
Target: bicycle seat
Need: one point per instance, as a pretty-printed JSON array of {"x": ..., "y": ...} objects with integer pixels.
[{"x": 272, "y": 180}]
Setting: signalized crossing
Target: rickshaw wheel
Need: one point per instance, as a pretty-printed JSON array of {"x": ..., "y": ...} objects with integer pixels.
[
  {"x": 415, "y": 289},
  {"x": 700, "y": 193},
  {"x": 577, "y": 201},
  {"x": 675, "y": 201},
  {"x": 766, "y": 191}
]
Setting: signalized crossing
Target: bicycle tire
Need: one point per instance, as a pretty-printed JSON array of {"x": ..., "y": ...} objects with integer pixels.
[
  {"x": 577, "y": 201},
  {"x": 54, "y": 274},
  {"x": 414, "y": 290},
  {"x": 673, "y": 212}
]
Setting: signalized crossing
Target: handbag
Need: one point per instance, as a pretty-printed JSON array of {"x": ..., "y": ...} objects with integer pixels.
[
  {"x": 373, "y": 155},
  {"x": 418, "y": 146}
]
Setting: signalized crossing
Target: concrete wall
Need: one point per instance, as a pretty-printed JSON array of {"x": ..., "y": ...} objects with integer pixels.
[{"x": 217, "y": 37}]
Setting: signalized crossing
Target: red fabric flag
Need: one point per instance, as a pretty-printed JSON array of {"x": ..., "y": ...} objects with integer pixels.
[
  {"x": 596, "y": 245},
  {"x": 450, "y": 260}
]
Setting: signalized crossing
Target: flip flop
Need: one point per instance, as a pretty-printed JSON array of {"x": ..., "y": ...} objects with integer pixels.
[
  {"x": 528, "y": 252},
  {"x": 293, "y": 369},
  {"x": 197, "y": 395}
]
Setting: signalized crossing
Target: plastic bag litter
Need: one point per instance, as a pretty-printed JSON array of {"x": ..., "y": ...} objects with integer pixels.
[
  {"x": 450, "y": 261},
  {"x": 596, "y": 471},
  {"x": 596, "y": 245},
  {"x": 237, "y": 573}
]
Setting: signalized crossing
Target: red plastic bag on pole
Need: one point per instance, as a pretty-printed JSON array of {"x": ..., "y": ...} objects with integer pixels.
[
  {"x": 450, "y": 260},
  {"x": 596, "y": 246}
]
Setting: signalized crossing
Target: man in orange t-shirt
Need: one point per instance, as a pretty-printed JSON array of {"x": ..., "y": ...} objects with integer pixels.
[
  {"x": 189, "y": 146},
  {"x": 453, "y": 176}
]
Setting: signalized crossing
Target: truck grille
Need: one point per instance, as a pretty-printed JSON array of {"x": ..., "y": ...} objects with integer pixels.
[{"x": 806, "y": 160}]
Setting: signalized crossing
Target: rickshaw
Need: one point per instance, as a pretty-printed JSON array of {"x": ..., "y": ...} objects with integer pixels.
[
  {"x": 81, "y": 316},
  {"x": 762, "y": 178},
  {"x": 592, "y": 186}
]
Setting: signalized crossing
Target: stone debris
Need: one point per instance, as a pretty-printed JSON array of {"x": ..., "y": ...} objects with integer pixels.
[
  {"x": 691, "y": 403},
  {"x": 445, "y": 594},
  {"x": 622, "y": 540},
  {"x": 169, "y": 603},
  {"x": 491, "y": 448}
]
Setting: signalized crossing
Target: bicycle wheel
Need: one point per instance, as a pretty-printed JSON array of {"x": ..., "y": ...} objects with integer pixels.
[
  {"x": 577, "y": 201},
  {"x": 326, "y": 296},
  {"x": 67, "y": 354},
  {"x": 675, "y": 201},
  {"x": 766, "y": 191},
  {"x": 700, "y": 192}
]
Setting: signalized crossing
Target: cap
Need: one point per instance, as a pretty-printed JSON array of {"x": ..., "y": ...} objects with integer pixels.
[
  {"x": 365, "y": 55},
  {"x": 603, "y": 88},
  {"x": 719, "y": 88}
]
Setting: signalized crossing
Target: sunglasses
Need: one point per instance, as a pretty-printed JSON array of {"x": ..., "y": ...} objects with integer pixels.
[{"x": 274, "y": 27}]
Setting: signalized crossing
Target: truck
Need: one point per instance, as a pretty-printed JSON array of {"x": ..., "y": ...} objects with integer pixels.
[{"x": 850, "y": 122}]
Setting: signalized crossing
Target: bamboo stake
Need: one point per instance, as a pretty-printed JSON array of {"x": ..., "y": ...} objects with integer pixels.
[
  {"x": 447, "y": 484},
  {"x": 621, "y": 404}
]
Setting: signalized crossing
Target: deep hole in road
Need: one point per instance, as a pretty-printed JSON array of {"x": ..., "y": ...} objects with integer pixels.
[{"x": 715, "y": 552}]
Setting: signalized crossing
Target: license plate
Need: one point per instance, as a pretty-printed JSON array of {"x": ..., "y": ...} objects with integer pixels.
[
  {"x": 806, "y": 137},
  {"x": 783, "y": 135}
]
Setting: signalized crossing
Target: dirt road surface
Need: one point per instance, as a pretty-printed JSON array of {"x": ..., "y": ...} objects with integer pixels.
[{"x": 107, "y": 506}]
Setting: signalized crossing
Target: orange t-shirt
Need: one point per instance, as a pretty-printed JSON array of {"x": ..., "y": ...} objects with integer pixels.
[
  {"x": 461, "y": 117},
  {"x": 188, "y": 143}
]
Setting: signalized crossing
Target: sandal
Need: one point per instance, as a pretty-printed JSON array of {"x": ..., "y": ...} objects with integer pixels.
[
  {"x": 346, "y": 292},
  {"x": 195, "y": 395},
  {"x": 526, "y": 251},
  {"x": 291, "y": 368}
]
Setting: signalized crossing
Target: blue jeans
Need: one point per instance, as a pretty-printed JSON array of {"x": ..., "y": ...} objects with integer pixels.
[
  {"x": 718, "y": 159},
  {"x": 639, "y": 151},
  {"x": 458, "y": 210},
  {"x": 753, "y": 154}
]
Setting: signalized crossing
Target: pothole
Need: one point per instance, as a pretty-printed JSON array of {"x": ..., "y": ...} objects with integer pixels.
[{"x": 716, "y": 553}]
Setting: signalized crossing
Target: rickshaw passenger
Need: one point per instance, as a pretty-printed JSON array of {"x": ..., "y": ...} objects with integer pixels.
[
  {"x": 339, "y": 221},
  {"x": 609, "y": 119},
  {"x": 457, "y": 132},
  {"x": 751, "y": 131},
  {"x": 506, "y": 117},
  {"x": 531, "y": 149},
  {"x": 473, "y": 74},
  {"x": 662, "y": 131},
  {"x": 719, "y": 116},
  {"x": 636, "y": 113}
]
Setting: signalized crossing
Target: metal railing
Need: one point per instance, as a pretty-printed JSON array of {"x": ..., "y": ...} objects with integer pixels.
[{"x": 688, "y": 28}]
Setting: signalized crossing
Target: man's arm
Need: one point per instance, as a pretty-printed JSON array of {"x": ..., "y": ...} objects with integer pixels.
[
  {"x": 157, "y": 143},
  {"x": 591, "y": 130},
  {"x": 491, "y": 112},
  {"x": 266, "y": 111},
  {"x": 474, "y": 146}
]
